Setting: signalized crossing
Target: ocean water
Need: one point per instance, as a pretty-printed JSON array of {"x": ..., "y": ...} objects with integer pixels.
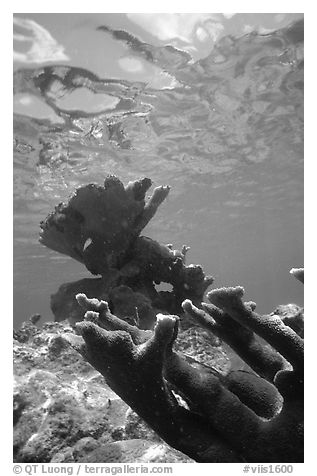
[{"x": 210, "y": 105}]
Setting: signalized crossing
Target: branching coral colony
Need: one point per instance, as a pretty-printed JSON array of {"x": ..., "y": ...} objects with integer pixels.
[{"x": 126, "y": 329}]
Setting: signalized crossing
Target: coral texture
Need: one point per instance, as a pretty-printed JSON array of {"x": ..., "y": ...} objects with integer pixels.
[{"x": 238, "y": 416}]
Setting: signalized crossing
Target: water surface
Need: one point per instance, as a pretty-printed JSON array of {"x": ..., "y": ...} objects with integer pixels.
[{"x": 212, "y": 106}]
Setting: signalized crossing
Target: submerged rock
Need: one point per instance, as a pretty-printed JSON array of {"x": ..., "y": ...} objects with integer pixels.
[{"x": 64, "y": 412}]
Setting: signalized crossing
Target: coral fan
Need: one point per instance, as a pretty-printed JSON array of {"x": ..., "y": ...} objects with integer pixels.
[
  {"x": 210, "y": 414},
  {"x": 98, "y": 224}
]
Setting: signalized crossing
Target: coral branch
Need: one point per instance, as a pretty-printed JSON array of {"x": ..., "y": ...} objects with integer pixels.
[
  {"x": 270, "y": 328},
  {"x": 106, "y": 320},
  {"x": 298, "y": 273},
  {"x": 223, "y": 407},
  {"x": 99, "y": 224},
  {"x": 135, "y": 373},
  {"x": 264, "y": 360},
  {"x": 159, "y": 195}
]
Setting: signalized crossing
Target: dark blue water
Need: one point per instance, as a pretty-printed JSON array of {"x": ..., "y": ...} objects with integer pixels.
[{"x": 212, "y": 106}]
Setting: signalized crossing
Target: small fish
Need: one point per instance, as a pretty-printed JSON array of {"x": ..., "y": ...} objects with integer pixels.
[{"x": 87, "y": 243}]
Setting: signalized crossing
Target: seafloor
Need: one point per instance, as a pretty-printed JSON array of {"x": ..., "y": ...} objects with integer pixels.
[{"x": 64, "y": 412}]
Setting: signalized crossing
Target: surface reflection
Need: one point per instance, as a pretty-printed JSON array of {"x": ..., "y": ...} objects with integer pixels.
[{"x": 224, "y": 130}]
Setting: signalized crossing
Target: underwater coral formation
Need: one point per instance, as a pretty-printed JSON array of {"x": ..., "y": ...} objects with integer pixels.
[
  {"x": 98, "y": 224},
  {"x": 128, "y": 331},
  {"x": 100, "y": 227},
  {"x": 239, "y": 416}
]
